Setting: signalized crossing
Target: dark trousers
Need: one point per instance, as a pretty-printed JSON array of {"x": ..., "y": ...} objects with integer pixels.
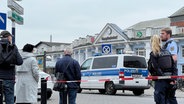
[
  {"x": 164, "y": 94},
  {"x": 8, "y": 90},
  {"x": 72, "y": 94}
]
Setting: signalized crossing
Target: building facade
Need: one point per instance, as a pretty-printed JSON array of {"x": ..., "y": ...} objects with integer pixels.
[
  {"x": 48, "y": 53},
  {"x": 135, "y": 38}
]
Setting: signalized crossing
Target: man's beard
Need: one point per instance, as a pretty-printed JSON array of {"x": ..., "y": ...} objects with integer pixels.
[{"x": 164, "y": 40}]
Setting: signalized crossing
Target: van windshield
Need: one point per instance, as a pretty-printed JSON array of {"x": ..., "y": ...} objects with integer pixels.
[{"x": 134, "y": 62}]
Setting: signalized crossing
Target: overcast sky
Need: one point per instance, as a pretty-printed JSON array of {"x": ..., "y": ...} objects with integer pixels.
[{"x": 67, "y": 20}]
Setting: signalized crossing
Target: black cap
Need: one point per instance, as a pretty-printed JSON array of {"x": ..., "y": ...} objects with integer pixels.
[
  {"x": 28, "y": 48},
  {"x": 5, "y": 34}
]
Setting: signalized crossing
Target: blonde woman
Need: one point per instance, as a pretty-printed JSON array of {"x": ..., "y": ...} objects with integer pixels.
[{"x": 162, "y": 64}]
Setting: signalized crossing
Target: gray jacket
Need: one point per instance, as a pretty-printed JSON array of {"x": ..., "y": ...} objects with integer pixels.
[{"x": 27, "y": 79}]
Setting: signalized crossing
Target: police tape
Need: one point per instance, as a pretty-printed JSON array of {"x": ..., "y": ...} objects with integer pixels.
[
  {"x": 164, "y": 77},
  {"x": 122, "y": 79}
]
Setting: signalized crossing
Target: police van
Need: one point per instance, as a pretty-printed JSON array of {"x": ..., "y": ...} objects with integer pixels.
[{"x": 110, "y": 73}]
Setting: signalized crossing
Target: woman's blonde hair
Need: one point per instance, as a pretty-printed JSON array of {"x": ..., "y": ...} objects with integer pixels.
[{"x": 155, "y": 44}]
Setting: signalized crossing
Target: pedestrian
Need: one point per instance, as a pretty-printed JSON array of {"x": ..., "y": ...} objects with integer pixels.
[
  {"x": 71, "y": 69},
  {"x": 9, "y": 57},
  {"x": 161, "y": 63},
  {"x": 27, "y": 77},
  {"x": 171, "y": 46}
]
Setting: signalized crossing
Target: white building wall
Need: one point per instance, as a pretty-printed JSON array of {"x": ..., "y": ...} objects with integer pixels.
[
  {"x": 148, "y": 49},
  {"x": 148, "y": 31}
]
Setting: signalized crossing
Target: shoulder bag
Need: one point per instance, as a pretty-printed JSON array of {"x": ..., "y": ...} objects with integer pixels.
[{"x": 60, "y": 84}]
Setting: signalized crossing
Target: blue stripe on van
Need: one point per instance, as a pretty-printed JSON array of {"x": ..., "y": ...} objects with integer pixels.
[
  {"x": 114, "y": 72},
  {"x": 106, "y": 72},
  {"x": 128, "y": 72}
]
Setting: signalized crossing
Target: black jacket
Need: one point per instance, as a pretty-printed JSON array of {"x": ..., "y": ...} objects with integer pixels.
[
  {"x": 71, "y": 73},
  {"x": 156, "y": 65},
  {"x": 7, "y": 71}
]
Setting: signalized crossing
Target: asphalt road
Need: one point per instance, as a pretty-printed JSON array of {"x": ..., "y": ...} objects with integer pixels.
[{"x": 93, "y": 97}]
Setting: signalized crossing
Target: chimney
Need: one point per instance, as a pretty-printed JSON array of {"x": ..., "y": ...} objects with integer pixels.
[{"x": 50, "y": 38}]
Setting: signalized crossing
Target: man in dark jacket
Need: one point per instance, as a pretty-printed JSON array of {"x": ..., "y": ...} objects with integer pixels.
[
  {"x": 9, "y": 57},
  {"x": 71, "y": 70}
]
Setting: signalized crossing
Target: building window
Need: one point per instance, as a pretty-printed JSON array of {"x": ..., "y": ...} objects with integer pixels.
[
  {"x": 119, "y": 51},
  {"x": 182, "y": 51},
  {"x": 141, "y": 51}
]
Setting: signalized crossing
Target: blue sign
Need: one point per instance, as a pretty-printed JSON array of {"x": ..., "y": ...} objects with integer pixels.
[
  {"x": 106, "y": 48},
  {"x": 3, "y": 21}
]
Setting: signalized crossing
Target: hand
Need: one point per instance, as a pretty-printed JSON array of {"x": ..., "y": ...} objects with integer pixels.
[
  {"x": 173, "y": 82},
  {"x": 173, "y": 85}
]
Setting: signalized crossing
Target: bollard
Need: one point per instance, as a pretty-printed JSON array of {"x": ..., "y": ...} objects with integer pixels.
[
  {"x": 1, "y": 91},
  {"x": 65, "y": 94},
  {"x": 43, "y": 91}
]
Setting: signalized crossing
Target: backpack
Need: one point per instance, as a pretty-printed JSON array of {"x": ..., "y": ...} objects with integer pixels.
[
  {"x": 165, "y": 63},
  {"x": 7, "y": 53}
]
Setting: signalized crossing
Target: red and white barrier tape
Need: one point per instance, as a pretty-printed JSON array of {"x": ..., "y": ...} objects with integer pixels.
[{"x": 121, "y": 79}]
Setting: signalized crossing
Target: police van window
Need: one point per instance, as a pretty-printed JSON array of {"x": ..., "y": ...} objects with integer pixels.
[
  {"x": 134, "y": 62},
  {"x": 105, "y": 62},
  {"x": 86, "y": 65}
]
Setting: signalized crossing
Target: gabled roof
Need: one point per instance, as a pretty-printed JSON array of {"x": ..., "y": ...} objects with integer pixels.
[
  {"x": 115, "y": 28},
  {"x": 51, "y": 43},
  {"x": 119, "y": 30},
  {"x": 163, "y": 22},
  {"x": 180, "y": 12}
]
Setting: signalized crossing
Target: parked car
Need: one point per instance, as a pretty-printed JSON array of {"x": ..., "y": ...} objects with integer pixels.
[{"x": 49, "y": 83}]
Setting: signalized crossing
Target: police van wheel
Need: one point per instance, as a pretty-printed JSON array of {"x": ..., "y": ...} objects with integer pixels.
[
  {"x": 109, "y": 88},
  {"x": 102, "y": 91},
  {"x": 138, "y": 92}
]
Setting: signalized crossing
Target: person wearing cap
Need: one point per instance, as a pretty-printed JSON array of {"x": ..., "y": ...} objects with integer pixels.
[
  {"x": 27, "y": 77},
  {"x": 9, "y": 57}
]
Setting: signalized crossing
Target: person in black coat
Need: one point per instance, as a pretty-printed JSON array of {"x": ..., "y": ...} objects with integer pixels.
[
  {"x": 71, "y": 70},
  {"x": 161, "y": 63},
  {"x": 9, "y": 57}
]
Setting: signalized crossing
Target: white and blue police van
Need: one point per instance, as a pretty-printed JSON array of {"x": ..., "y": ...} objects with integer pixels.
[{"x": 110, "y": 73}]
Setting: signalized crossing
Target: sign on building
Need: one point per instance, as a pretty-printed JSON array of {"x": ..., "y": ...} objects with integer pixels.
[{"x": 106, "y": 48}]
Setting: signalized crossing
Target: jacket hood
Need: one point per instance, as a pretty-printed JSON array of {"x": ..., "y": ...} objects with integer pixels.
[{"x": 26, "y": 55}]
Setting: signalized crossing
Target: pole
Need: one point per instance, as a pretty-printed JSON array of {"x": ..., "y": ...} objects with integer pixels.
[
  {"x": 1, "y": 91},
  {"x": 44, "y": 61},
  {"x": 13, "y": 32},
  {"x": 43, "y": 91}
]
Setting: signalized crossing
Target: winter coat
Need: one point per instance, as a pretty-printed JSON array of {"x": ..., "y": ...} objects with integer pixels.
[
  {"x": 7, "y": 70},
  {"x": 71, "y": 73},
  {"x": 27, "y": 79}
]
